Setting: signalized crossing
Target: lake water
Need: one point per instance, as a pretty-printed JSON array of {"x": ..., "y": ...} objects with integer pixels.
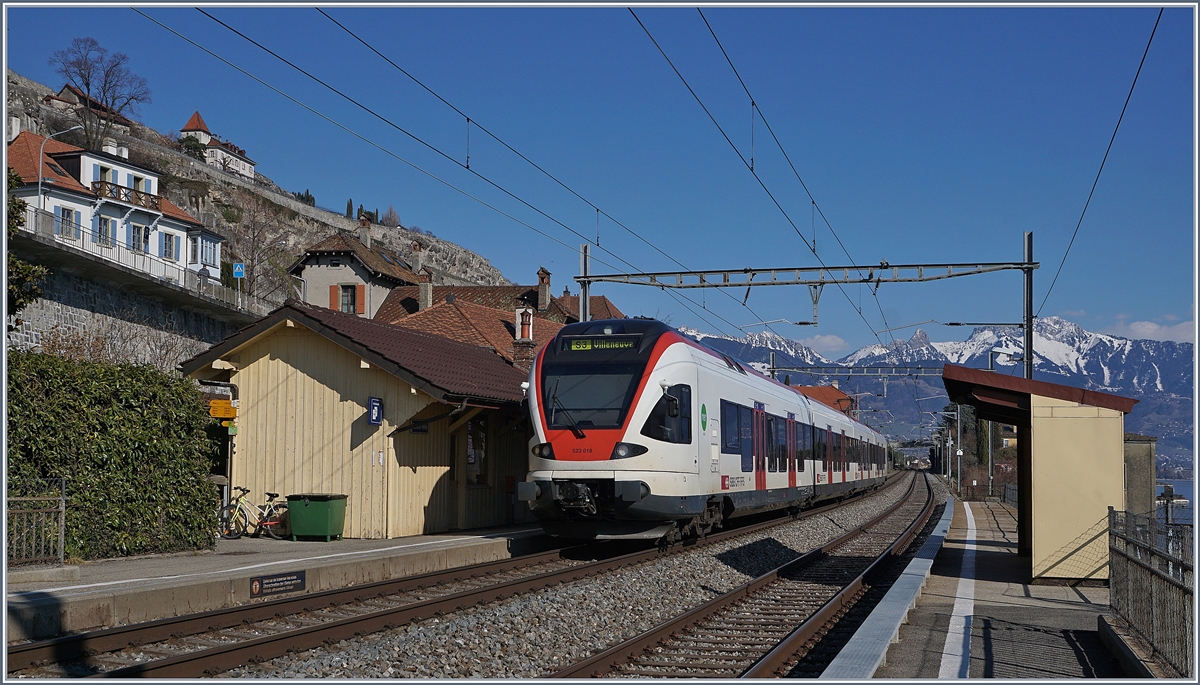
[{"x": 1182, "y": 488}]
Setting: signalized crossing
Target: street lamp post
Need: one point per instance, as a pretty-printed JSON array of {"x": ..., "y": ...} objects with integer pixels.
[{"x": 41, "y": 152}]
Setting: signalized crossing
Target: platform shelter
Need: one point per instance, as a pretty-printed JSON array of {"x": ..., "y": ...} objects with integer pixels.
[{"x": 1070, "y": 466}]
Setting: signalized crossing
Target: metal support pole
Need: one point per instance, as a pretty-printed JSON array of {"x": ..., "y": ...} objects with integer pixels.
[
  {"x": 1028, "y": 269},
  {"x": 585, "y": 297},
  {"x": 990, "y": 471},
  {"x": 958, "y": 451}
]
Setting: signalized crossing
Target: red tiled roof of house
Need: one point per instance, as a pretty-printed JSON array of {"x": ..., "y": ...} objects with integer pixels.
[
  {"x": 601, "y": 307},
  {"x": 23, "y": 158},
  {"x": 444, "y": 368},
  {"x": 402, "y": 301},
  {"x": 174, "y": 211},
  {"x": 196, "y": 123},
  {"x": 827, "y": 395},
  {"x": 376, "y": 258},
  {"x": 478, "y": 325}
]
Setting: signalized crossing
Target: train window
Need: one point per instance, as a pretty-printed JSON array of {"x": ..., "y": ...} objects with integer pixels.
[
  {"x": 780, "y": 444},
  {"x": 731, "y": 443},
  {"x": 819, "y": 447},
  {"x": 661, "y": 425},
  {"x": 803, "y": 444},
  {"x": 839, "y": 455}
]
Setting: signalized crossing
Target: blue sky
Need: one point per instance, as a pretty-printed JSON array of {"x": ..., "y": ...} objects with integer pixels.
[{"x": 925, "y": 135}]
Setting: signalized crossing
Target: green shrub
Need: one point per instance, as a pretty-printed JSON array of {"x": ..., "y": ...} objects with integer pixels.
[{"x": 130, "y": 440}]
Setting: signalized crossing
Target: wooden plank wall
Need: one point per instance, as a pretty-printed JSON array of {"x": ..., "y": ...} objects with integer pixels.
[{"x": 303, "y": 425}]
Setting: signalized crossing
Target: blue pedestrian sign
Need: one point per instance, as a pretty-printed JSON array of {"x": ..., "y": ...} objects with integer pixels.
[
  {"x": 239, "y": 270},
  {"x": 374, "y": 411}
]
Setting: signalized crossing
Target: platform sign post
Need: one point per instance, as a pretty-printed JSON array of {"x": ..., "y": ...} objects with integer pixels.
[{"x": 239, "y": 272}]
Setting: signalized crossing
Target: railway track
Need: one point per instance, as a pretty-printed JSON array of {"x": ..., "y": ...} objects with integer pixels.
[
  {"x": 765, "y": 626},
  {"x": 215, "y": 641}
]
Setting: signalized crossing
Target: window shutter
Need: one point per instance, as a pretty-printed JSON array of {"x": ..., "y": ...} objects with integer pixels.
[
  {"x": 176, "y": 252},
  {"x": 162, "y": 239},
  {"x": 149, "y": 186},
  {"x": 112, "y": 231},
  {"x": 78, "y": 224},
  {"x": 57, "y": 220},
  {"x": 95, "y": 173},
  {"x": 129, "y": 235},
  {"x": 128, "y": 180},
  {"x": 360, "y": 299},
  {"x": 334, "y": 291},
  {"x": 95, "y": 228}
]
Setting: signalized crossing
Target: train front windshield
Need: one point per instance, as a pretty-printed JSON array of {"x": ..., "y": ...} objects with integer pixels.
[
  {"x": 591, "y": 371},
  {"x": 590, "y": 395}
]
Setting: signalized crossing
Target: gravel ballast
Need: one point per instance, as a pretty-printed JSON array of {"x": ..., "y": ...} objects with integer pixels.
[{"x": 535, "y": 635}]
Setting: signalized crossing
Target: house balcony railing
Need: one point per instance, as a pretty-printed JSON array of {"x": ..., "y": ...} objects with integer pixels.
[
  {"x": 112, "y": 191},
  {"x": 103, "y": 247}
]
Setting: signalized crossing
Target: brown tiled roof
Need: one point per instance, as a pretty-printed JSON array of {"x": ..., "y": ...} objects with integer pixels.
[
  {"x": 196, "y": 123},
  {"x": 402, "y": 301},
  {"x": 444, "y": 368},
  {"x": 96, "y": 106},
  {"x": 23, "y": 158},
  {"x": 376, "y": 258},
  {"x": 975, "y": 386},
  {"x": 478, "y": 325},
  {"x": 827, "y": 395},
  {"x": 230, "y": 147},
  {"x": 601, "y": 307}
]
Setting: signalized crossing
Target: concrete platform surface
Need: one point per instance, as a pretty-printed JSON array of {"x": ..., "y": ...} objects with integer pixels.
[
  {"x": 122, "y": 591},
  {"x": 1016, "y": 630}
]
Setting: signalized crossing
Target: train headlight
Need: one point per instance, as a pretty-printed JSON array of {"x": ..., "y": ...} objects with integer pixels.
[
  {"x": 624, "y": 450},
  {"x": 543, "y": 450}
]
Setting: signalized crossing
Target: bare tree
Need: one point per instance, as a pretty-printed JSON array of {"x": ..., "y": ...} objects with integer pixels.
[
  {"x": 111, "y": 90},
  {"x": 259, "y": 239},
  {"x": 390, "y": 217}
]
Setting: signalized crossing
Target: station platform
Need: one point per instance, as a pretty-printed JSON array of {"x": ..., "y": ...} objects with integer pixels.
[
  {"x": 997, "y": 626},
  {"x": 117, "y": 592}
]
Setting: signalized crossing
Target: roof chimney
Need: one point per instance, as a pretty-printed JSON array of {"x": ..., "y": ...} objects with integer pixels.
[
  {"x": 834, "y": 383},
  {"x": 543, "y": 289},
  {"x": 424, "y": 290},
  {"x": 123, "y": 152},
  {"x": 523, "y": 347},
  {"x": 418, "y": 259},
  {"x": 364, "y": 231},
  {"x": 109, "y": 146}
]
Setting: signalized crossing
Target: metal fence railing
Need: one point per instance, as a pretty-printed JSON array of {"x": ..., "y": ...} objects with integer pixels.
[
  {"x": 1151, "y": 583},
  {"x": 1009, "y": 496},
  {"x": 37, "y": 512},
  {"x": 102, "y": 246}
]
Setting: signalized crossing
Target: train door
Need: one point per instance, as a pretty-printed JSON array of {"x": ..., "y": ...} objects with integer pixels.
[
  {"x": 829, "y": 454},
  {"x": 761, "y": 445},
  {"x": 843, "y": 456},
  {"x": 791, "y": 449}
]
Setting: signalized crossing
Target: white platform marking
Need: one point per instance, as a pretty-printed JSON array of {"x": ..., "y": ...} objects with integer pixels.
[{"x": 956, "y": 655}]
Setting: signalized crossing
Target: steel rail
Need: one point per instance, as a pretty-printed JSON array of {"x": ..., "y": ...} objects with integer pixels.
[
  {"x": 773, "y": 663},
  {"x": 630, "y": 649},
  {"x": 71, "y": 647}
]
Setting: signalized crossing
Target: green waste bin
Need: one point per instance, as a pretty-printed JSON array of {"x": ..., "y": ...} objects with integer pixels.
[{"x": 315, "y": 514}]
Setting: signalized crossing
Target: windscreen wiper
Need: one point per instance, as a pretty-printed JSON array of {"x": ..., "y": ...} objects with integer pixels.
[{"x": 554, "y": 400}]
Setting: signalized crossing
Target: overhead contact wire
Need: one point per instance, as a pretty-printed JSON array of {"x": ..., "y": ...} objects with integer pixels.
[{"x": 532, "y": 163}]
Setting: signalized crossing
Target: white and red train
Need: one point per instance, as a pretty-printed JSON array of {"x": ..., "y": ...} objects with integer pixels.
[{"x": 641, "y": 432}]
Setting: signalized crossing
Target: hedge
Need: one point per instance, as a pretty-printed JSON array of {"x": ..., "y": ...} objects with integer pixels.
[{"x": 129, "y": 439}]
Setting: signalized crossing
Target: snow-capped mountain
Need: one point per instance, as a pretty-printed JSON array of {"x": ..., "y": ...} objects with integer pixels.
[
  {"x": 1063, "y": 353},
  {"x": 1158, "y": 374},
  {"x": 755, "y": 349}
]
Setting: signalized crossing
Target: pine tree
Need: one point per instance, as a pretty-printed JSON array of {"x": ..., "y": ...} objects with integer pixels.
[{"x": 350, "y": 208}]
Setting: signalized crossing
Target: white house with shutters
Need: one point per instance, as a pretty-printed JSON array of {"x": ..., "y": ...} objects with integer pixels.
[
  {"x": 102, "y": 202},
  {"x": 218, "y": 153}
]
